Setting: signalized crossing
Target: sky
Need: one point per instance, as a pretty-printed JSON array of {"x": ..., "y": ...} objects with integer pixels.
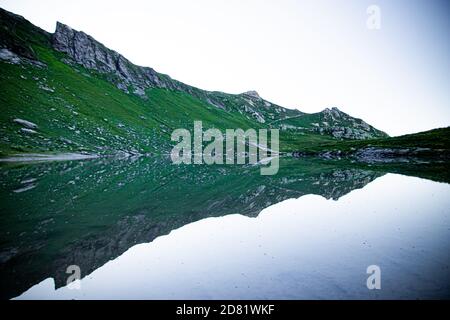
[{"x": 308, "y": 55}]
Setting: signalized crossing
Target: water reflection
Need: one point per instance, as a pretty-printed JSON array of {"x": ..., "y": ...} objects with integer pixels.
[{"x": 88, "y": 213}]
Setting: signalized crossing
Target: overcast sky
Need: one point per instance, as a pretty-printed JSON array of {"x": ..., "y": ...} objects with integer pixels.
[{"x": 307, "y": 55}]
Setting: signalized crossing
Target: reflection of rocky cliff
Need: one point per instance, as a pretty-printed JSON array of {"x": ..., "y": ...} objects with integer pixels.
[{"x": 87, "y": 213}]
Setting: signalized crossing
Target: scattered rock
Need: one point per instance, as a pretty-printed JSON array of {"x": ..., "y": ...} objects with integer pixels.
[
  {"x": 45, "y": 88},
  {"x": 140, "y": 92},
  {"x": 27, "y": 181},
  {"x": 9, "y": 56},
  {"x": 26, "y": 123},
  {"x": 26, "y": 188},
  {"x": 25, "y": 130}
]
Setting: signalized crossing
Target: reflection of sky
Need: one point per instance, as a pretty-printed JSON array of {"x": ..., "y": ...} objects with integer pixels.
[
  {"x": 301, "y": 248},
  {"x": 304, "y": 54}
]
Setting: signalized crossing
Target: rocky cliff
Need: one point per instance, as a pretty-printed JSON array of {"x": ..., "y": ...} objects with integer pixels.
[
  {"x": 342, "y": 126},
  {"x": 91, "y": 54}
]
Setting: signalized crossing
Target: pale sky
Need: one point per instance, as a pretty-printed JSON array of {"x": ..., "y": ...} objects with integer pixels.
[{"x": 307, "y": 55}]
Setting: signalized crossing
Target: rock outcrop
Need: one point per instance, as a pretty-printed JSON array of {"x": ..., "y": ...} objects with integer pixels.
[
  {"x": 9, "y": 56},
  {"x": 252, "y": 94},
  {"x": 342, "y": 126},
  {"x": 91, "y": 54},
  {"x": 16, "y": 38},
  {"x": 26, "y": 123}
]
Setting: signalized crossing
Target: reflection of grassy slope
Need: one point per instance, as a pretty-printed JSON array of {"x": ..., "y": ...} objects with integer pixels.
[
  {"x": 90, "y": 211},
  {"x": 436, "y": 171}
]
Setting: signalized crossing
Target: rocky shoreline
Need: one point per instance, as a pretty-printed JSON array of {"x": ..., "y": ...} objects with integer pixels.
[{"x": 381, "y": 155}]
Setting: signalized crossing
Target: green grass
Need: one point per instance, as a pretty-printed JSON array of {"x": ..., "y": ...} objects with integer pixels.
[
  {"x": 89, "y": 111},
  {"x": 435, "y": 140},
  {"x": 105, "y": 118}
]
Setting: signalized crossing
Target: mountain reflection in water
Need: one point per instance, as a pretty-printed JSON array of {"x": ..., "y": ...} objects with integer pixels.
[{"x": 87, "y": 213}]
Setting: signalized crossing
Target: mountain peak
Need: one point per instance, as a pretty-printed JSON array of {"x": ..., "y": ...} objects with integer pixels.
[
  {"x": 252, "y": 93},
  {"x": 333, "y": 112},
  {"x": 60, "y": 25},
  {"x": 333, "y": 109}
]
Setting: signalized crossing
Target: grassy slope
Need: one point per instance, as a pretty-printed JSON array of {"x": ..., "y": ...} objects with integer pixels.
[
  {"x": 97, "y": 117},
  {"x": 87, "y": 113},
  {"x": 437, "y": 139},
  {"x": 93, "y": 114}
]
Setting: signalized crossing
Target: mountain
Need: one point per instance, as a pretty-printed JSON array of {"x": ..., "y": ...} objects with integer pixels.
[{"x": 67, "y": 92}]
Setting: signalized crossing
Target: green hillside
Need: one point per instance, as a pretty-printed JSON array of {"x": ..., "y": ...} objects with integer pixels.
[
  {"x": 56, "y": 96},
  {"x": 436, "y": 141}
]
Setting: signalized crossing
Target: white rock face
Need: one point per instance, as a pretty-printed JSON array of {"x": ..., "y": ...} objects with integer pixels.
[
  {"x": 9, "y": 56},
  {"x": 86, "y": 51},
  {"x": 45, "y": 88},
  {"x": 253, "y": 94}
]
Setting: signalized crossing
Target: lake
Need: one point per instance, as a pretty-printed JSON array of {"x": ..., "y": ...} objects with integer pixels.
[{"x": 146, "y": 229}]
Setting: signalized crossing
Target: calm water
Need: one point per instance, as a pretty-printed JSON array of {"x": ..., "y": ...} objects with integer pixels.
[{"x": 144, "y": 229}]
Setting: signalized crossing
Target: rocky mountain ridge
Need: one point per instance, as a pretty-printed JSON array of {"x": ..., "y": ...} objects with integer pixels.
[
  {"x": 86, "y": 98},
  {"x": 88, "y": 52},
  {"x": 91, "y": 54}
]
